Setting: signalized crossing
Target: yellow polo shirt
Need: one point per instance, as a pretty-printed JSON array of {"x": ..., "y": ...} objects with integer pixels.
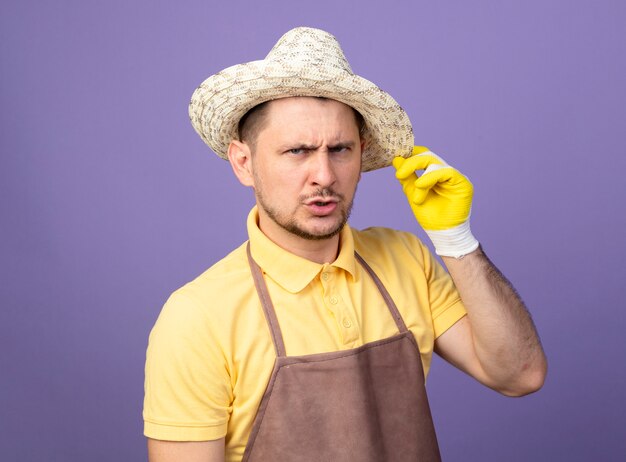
[{"x": 210, "y": 354}]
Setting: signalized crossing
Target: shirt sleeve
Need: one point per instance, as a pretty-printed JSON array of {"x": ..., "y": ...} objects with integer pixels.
[
  {"x": 445, "y": 301},
  {"x": 188, "y": 392}
]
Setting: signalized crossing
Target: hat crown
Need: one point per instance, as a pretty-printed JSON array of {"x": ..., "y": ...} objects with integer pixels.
[{"x": 309, "y": 46}]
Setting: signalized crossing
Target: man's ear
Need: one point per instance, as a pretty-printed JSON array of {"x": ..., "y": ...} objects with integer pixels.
[{"x": 240, "y": 159}]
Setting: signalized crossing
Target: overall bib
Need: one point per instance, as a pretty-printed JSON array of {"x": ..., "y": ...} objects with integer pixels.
[{"x": 366, "y": 404}]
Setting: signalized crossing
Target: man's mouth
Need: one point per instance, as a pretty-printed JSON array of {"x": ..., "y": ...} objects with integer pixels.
[
  {"x": 321, "y": 206},
  {"x": 321, "y": 201}
]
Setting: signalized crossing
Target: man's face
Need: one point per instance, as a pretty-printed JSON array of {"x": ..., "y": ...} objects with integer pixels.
[{"x": 306, "y": 164}]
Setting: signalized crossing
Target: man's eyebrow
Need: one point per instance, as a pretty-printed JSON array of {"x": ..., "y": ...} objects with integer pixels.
[
  {"x": 303, "y": 146},
  {"x": 313, "y": 147},
  {"x": 342, "y": 144}
]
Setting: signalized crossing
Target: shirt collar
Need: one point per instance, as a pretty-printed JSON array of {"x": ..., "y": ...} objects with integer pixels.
[{"x": 290, "y": 271}]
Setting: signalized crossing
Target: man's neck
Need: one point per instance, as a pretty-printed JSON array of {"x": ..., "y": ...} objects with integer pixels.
[{"x": 319, "y": 251}]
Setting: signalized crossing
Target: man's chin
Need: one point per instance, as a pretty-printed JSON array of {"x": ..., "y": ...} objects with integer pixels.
[
  {"x": 305, "y": 226},
  {"x": 315, "y": 233}
]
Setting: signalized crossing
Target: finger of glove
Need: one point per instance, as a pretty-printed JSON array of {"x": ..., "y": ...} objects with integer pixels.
[
  {"x": 418, "y": 162},
  {"x": 417, "y": 196},
  {"x": 407, "y": 181},
  {"x": 408, "y": 184},
  {"x": 399, "y": 160},
  {"x": 419, "y": 150},
  {"x": 429, "y": 180}
]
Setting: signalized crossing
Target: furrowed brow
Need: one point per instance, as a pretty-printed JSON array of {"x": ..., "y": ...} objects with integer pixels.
[
  {"x": 341, "y": 144},
  {"x": 303, "y": 146}
]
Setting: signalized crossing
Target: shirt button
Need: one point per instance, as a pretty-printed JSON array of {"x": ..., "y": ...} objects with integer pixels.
[
  {"x": 324, "y": 276},
  {"x": 333, "y": 300},
  {"x": 346, "y": 323}
]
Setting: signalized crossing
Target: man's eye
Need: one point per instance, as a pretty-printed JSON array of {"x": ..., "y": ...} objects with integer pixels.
[{"x": 296, "y": 151}]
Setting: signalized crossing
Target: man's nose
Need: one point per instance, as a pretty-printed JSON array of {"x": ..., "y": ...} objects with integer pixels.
[{"x": 322, "y": 170}]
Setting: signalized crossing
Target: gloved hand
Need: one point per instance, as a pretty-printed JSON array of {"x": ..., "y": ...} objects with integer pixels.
[{"x": 441, "y": 200}]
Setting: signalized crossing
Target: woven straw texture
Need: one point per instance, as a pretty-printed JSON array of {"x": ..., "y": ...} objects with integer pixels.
[{"x": 304, "y": 62}]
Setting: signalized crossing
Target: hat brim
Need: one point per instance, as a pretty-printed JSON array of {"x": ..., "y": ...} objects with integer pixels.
[{"x": 220, "y": 101}]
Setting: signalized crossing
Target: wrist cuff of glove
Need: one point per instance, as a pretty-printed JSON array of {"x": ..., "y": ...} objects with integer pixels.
[{"x": 454, "y": 242}]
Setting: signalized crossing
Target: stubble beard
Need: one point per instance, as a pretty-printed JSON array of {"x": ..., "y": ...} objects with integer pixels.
[{"x": 291, "y": 225}]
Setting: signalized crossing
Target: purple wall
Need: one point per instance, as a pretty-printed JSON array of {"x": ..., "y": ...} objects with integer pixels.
[{"x": 109, "y": 201}]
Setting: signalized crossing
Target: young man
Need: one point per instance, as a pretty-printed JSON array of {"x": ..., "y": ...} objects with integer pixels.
[{"x": 312, "y": 340}]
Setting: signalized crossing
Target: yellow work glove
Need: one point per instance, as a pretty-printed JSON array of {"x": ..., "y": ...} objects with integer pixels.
[{"x": 441, "y": 200}]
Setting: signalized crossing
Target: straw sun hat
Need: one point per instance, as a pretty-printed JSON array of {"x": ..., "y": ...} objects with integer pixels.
[{"x": 304, "y": 62}]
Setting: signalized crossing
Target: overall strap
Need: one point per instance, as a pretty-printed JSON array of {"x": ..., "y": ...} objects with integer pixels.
[
  {"x": 268, "y": 306},
  {"x": 383, "y": 291}
]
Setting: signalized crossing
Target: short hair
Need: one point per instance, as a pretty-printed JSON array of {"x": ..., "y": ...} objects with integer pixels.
[{"x": 252, "y": 122}]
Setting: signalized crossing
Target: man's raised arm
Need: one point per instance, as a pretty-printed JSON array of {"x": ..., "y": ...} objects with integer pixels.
[{"x": 496, "y": 342}]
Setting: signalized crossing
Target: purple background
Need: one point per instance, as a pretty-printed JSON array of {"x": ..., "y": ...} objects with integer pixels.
[{"x": 109, "y": 201}]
